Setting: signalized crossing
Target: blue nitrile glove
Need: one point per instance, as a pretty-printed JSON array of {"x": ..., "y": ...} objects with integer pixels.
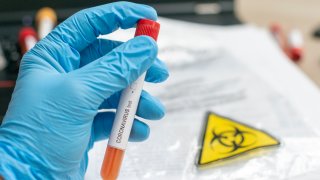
[{"x": 52, "y": 120}]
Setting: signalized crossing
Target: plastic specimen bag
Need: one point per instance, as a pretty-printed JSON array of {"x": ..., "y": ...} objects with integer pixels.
[{"x": 237, "y": 73}]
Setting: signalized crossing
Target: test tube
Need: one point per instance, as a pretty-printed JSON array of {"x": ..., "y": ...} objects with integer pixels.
[
  {"x": 295, "y": 41},
  {"x": 126, "y": 112},
  {"x": 3, "y": 60},
  {"x": 46, "y": 20},
  {"x": 27, "y": 39},
  {"x": 279, "y": 36}
]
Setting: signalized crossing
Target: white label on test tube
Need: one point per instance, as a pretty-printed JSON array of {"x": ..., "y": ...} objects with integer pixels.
[
  {"x": 125, "y": 114},
  {"x": 30, "y": 42},
  {"x": 45, "y": 27}
]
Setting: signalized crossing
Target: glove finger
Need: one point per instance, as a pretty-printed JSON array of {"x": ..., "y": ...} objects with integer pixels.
[
  {"x": 157, "y": 73},
  {"x": 96, "y": 50},
  {"x": 103, "y": 122},
  {"x": 47, "y": 56},
  {"x": 117, "y": 69},
  {"x": 148, "y": 108},
  {"x": 83, "y": 28}
]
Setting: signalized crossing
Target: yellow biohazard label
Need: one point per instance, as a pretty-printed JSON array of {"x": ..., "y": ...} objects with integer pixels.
[{"x": 226, "y": 138}]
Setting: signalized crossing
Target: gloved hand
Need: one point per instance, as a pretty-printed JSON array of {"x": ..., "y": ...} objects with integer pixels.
[{"x": 52, "y": 120}]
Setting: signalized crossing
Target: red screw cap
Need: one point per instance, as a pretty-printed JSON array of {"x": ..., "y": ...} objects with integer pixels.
[{"x": 148, "y": 27}]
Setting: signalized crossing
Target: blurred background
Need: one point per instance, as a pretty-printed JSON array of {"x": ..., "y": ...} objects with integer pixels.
[
  {"x": 300, "y": 15},
  {"x": 16, "y": 14},
  {"x": 260, "y": 65}
]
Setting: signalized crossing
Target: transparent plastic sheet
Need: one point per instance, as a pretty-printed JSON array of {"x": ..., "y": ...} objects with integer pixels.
[{"x": 214, "y": 77}]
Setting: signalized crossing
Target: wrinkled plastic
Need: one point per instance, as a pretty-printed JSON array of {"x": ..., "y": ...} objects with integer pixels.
[{"x": 238, "y": 72}]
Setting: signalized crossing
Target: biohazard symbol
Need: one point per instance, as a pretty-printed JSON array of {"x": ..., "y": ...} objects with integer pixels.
[
  {"x": 234, "y": 139},
  {"x": 225, "y": 138}
]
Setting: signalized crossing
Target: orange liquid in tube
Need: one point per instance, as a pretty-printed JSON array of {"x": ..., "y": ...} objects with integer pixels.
[
  {"x": 125, "y": 113},
  {"x": 112, "y": 163}
]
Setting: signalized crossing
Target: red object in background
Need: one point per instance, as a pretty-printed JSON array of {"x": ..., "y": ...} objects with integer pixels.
[
  {"x": 295, "y": 45},
  {"x": 280, "y": 37},
  {"x": 292, "y": 45},
  {"x": 296, "y": 54},
  {"x": 7, "y": 84},
  {"x": 27, "y": 39}
]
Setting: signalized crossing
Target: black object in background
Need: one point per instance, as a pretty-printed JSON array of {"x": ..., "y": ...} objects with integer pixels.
[
  {"x": 204, "y": 11},
  {"x": 316, "y": 33},
  {"x": 16, "y": 13}
]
